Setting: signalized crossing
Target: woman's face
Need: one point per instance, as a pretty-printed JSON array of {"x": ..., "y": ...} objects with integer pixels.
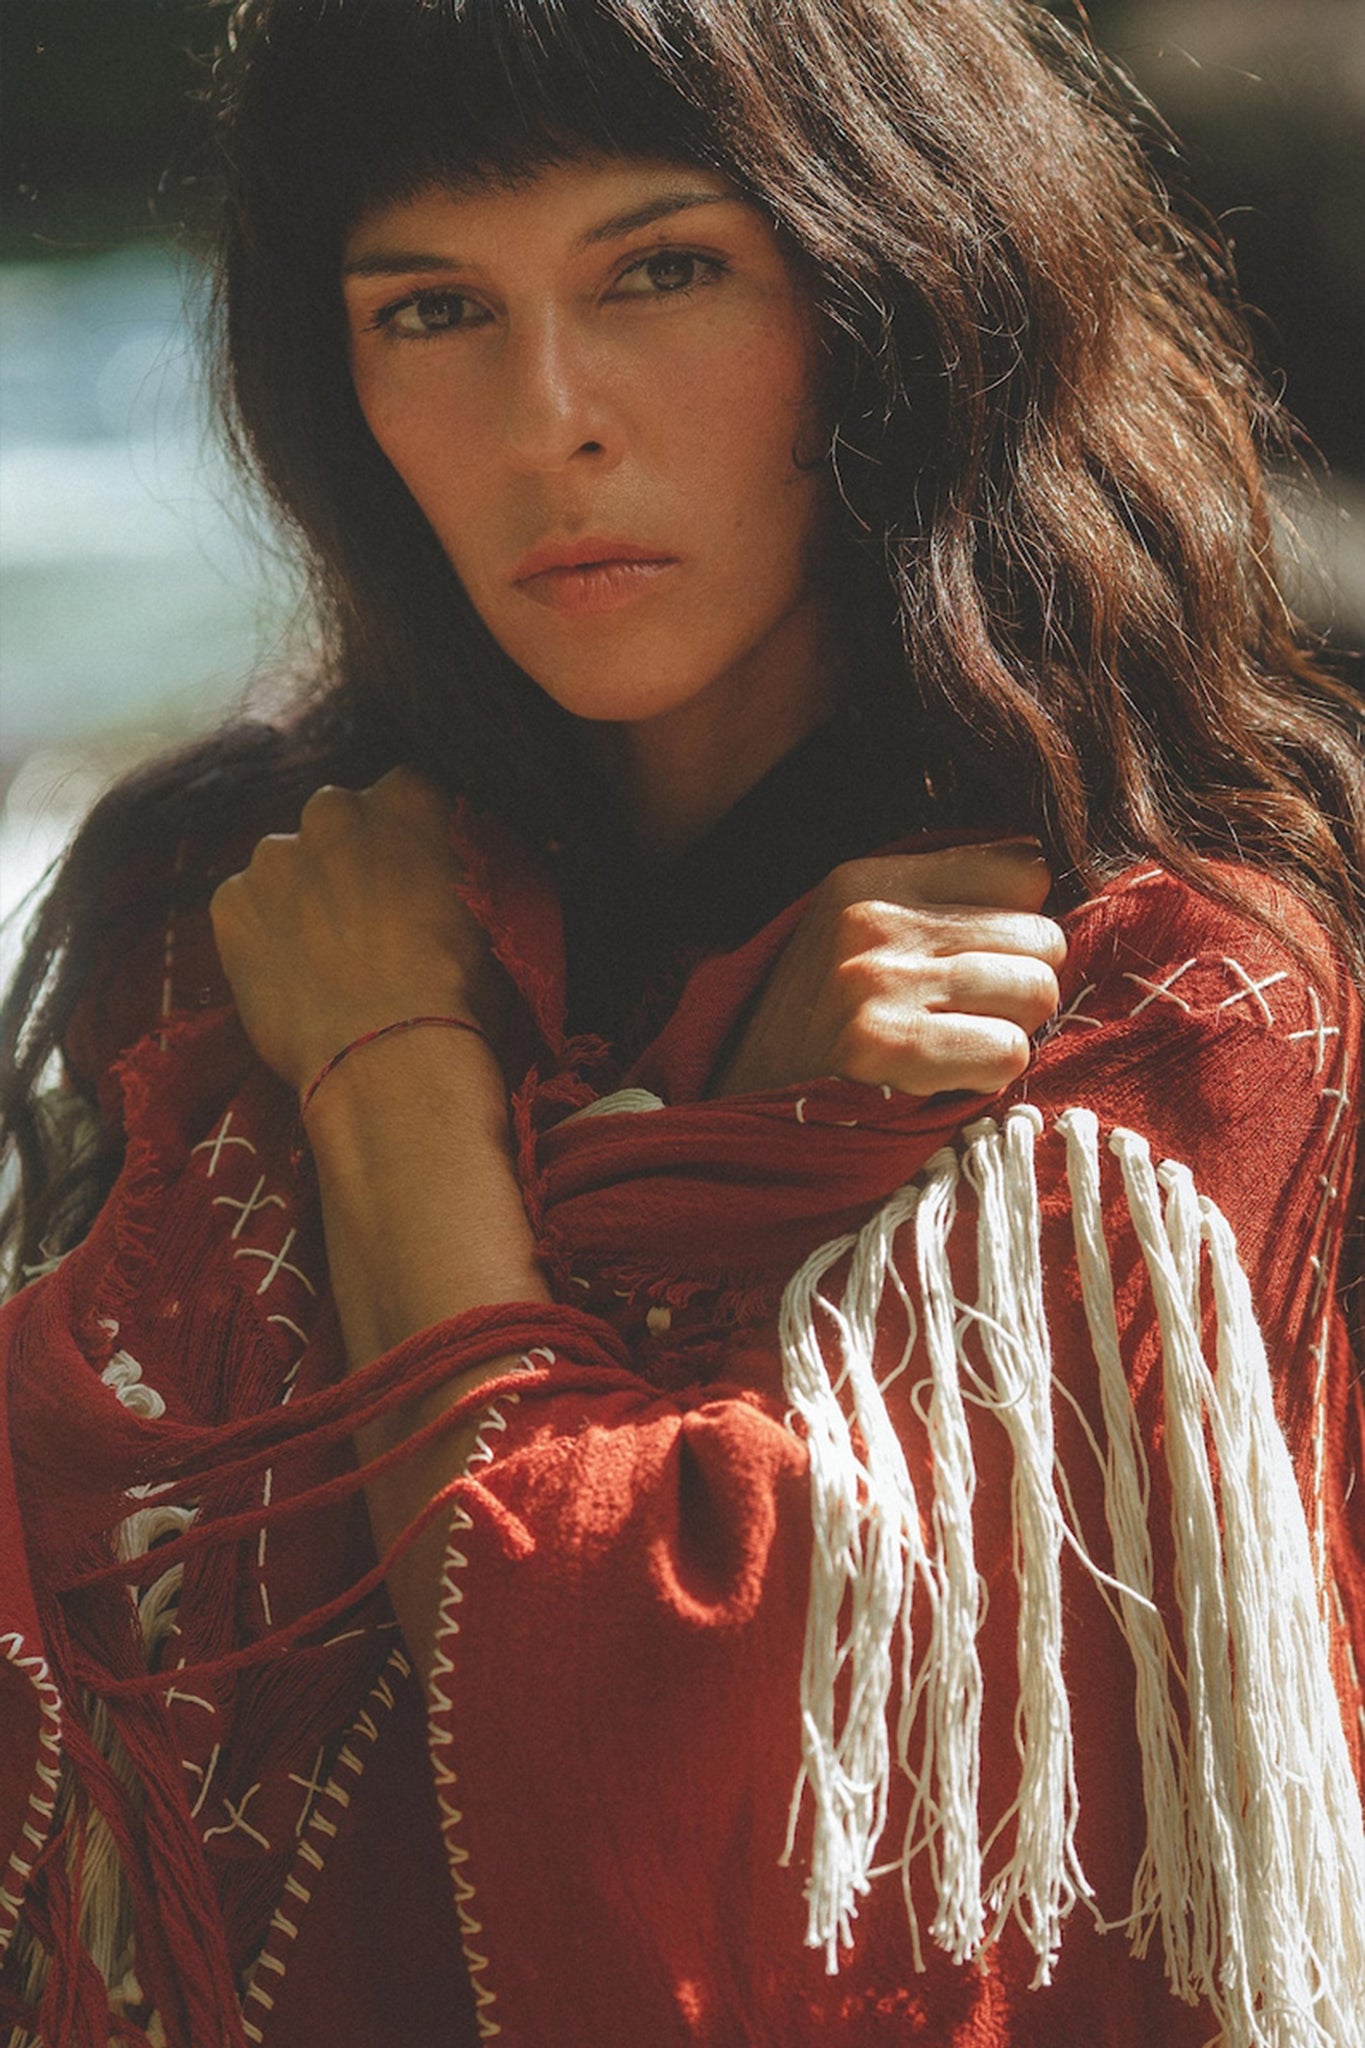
[{"x": 599, "y": 386}]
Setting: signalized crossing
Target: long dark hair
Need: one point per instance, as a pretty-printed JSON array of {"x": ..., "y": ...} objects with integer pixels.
[{"x": 1046, "y": 442}]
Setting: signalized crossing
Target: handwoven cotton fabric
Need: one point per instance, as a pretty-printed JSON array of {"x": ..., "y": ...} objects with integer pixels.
[{"x": 911, "y": 1584}]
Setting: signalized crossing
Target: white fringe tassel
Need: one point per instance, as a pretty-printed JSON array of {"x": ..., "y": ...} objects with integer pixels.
[
  {"x": 1162, "y": 1887},
  {"x": 866, "y": 1530},
  {"x": 1300, "y": 1804},
  {"x": 948, "y": 1786},
  {"x": 1254, "y": 1863},
  {"x": 1041, "y": 1881}
]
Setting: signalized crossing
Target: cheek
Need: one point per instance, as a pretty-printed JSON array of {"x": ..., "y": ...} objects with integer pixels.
[
  {"x": 414, "y": 429},
  {"x": 748, "y": 415},
  {"x": 757, "y": 471},
  {"x": 763, "y": 496}
]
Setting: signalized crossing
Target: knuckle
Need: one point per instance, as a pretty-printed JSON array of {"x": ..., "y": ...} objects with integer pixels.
[
  {"x": 957, "y": 978},
  {"x": 1047, "y": 940},
  {"x": 983, "y": 1055},
  {"x": 1046, "y": 989},
  {"x": 1015, "y": 1051},
  {"x": 1042, "y": 998},
  {"x": 850, "y": 881},
  {"x": 864, "y": 925},
  {"x": 1034, "y": 984},
  {"x": 863, "y": 1048},
  {"x": 224, "y": 899},
  {"x": 328, "y": 806},
  {"x": 857, "y": 979},
  {"x": 925, "y": 928},
  {"x": 905, "y": 1031},
  {"x": 271, "y": 851},
  {"x": 889, "y": 984},
  {"x": 999, "y": 1055},
  {"x": 988, "y": 1058},
  {"x": 410, "y": 798}
]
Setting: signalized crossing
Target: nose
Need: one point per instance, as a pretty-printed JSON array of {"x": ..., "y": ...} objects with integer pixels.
[{"x": 554, "y": 399}]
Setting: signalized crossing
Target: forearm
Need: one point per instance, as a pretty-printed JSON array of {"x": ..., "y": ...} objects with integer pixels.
[
  {"x": 422, "y": 1209},
  {"x": 424, "y": 1219}
]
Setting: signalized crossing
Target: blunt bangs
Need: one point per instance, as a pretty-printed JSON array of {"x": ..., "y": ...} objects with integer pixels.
[{"x": 386, "y": 97}]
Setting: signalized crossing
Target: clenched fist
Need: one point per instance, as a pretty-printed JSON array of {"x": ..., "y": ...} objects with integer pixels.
[
  {"x": 924, "y": 972},
  {"x": 349, "y": 923}
]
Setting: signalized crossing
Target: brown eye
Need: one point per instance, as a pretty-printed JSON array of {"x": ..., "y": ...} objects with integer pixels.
[
  {"x": 669, "y": 273},
  {"x": 673, "y": 271},
  {"x": 426, "y": 314}
]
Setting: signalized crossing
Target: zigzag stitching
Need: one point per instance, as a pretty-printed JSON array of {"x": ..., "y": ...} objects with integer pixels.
[
  {"x": 440, "y": 1704},
  {"x": 284, "y": 1931},
  {"x": 45, "y": 1778}
]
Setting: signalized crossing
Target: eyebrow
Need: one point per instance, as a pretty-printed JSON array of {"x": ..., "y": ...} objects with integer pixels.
[
  {"x": 401, "y": 262},
  {"x": 658, "y": 208}
]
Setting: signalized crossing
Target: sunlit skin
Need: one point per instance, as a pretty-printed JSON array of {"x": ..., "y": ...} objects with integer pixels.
[{"x": 615, "y": 353}]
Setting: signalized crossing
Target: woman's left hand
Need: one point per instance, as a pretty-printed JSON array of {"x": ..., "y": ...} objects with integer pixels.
[{"x": 352, "y": 922}]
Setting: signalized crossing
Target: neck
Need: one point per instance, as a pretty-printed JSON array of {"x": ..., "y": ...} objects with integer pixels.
[{"x": 681, "y": 772}]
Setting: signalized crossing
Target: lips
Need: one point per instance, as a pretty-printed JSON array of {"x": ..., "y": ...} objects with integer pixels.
[
  {"x": 591, "y": 574},
  {"x": 590, "y": 552}
]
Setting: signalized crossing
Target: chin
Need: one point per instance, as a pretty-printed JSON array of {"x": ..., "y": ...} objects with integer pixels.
[
  {"x": 599, "y": 701},
  {"x": 625, "y": 685}
]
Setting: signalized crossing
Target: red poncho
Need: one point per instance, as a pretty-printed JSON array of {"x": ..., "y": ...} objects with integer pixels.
[{"x": 911, "y": 1591}]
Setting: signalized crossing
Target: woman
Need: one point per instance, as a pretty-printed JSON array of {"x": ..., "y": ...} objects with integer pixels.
[{"x": 881, "y": 1566}]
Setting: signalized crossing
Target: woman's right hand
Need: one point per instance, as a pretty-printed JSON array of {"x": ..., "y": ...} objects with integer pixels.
[
  {"x": 350, "y": 923},
  {"x": 923, "y": 972}
]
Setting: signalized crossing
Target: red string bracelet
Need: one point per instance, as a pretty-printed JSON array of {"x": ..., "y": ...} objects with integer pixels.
[{"x": 369, "y": 1037}]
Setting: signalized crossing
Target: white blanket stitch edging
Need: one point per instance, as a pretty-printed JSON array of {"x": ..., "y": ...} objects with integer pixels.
[
  {"x": 439, "y": 1707},
  {"x": 42, "y": 1798}
]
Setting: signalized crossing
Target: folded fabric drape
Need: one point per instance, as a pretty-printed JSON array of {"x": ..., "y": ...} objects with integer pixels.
[{"x": 919, "y": 1537}]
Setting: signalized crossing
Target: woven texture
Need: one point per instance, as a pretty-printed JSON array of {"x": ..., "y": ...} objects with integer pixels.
[{"x": 198, "y": 1782}]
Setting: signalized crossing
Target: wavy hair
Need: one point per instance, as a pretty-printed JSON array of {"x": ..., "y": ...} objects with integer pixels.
[{"x": 1046, "y": 439}]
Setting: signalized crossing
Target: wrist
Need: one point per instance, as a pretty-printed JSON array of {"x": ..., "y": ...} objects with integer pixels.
[
  {"x": 364, "y": 1042},
  {"x": 383, "y": 1104},
  {"x": 421, "y": 1201}
]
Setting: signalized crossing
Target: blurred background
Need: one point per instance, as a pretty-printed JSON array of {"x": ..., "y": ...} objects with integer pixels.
[{"x": 139, "y": 593}]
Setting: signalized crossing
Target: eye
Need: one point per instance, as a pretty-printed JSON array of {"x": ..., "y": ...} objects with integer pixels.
[
  {"x": 669, "y": 273},
  {"x": 424, "y": 315}
]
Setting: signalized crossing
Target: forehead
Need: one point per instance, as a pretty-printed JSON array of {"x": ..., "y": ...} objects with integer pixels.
[{"x": 590, "y": 198}]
